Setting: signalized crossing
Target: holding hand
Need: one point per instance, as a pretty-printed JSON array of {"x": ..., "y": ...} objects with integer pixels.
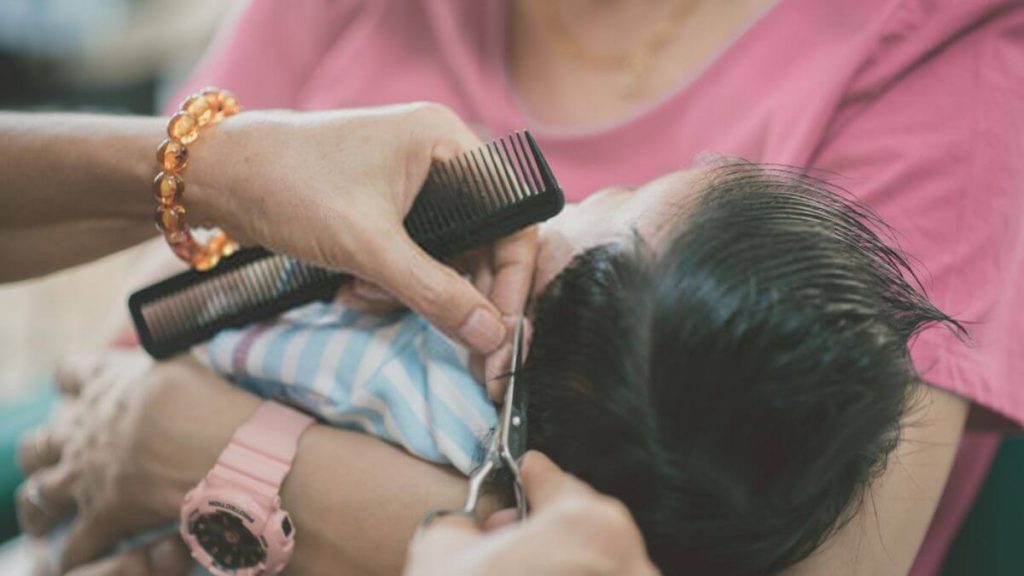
[
  {"x": 333, "y": 188},
  {"x": 571, "y": 531},
  {"x": 117, "y": 457}
]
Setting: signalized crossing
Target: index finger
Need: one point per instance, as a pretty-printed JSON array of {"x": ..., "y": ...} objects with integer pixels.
[{"x": 514, "y": 260}]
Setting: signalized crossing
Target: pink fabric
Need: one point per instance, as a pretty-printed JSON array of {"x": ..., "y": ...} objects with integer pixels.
[{"x": 917, "y": 105}]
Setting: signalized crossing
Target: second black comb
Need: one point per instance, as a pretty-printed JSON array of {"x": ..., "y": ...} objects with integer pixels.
[{"x": 467, "y": 202}]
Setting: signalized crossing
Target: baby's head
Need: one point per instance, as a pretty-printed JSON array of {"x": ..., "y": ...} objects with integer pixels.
[{"x": 738, "y": 386}]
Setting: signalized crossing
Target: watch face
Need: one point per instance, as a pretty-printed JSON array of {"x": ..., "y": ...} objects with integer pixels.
[{"x": 227, "y": 540}]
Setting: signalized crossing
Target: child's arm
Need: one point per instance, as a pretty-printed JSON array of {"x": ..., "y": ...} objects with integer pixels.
[{"x": 355, "y": 500}]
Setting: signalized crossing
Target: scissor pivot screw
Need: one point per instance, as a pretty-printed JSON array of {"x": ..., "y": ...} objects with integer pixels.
[{"x": 516, "y": 420}]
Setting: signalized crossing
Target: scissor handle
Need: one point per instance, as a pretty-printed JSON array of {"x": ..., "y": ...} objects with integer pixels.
[
  {"x": 509, "y": 463},
  {"x": 435, "y": 515}
]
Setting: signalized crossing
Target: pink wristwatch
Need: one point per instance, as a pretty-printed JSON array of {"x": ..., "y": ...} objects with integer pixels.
[{"x": 232, "y": 520}]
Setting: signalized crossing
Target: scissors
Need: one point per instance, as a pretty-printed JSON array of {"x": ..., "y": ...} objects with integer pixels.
[{"x": 507, "y": 444}]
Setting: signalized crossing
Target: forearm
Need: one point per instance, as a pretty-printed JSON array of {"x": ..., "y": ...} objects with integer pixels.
[
  {"x": 885, "y": 533},
  {"x": 74, "y": 187},
  {"x": 355, "y": 500}
]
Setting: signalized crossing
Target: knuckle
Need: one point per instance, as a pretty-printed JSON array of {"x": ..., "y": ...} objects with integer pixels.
[
  {"x": 599, "y": 519},
  {"x": 576, "y": 513},
  {"x": 613, "y": 514},
  {"x": 430, "y": 293}
]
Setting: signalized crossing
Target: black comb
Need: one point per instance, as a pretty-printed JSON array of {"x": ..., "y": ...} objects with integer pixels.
[{"x": 467, "y": 202}]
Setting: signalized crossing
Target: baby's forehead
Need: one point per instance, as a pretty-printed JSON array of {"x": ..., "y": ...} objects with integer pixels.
[{"x": 660, "y": 209}]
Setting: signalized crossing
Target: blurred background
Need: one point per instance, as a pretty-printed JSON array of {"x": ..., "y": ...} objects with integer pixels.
[
  {"x": 112, "y": 56},
  {"x": 127, "y": 56}
]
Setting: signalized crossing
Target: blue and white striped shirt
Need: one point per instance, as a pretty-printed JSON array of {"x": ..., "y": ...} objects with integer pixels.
[{"x": 395, "y": 377}]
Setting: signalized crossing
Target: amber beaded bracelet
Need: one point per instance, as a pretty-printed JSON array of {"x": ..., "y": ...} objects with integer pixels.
[{"x": 208, "y": 106}]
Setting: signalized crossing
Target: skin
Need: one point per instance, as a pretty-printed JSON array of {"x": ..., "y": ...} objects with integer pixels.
[
  {"x": 886, "y": 531},
  {"x": 548, "y": 80},
  {"x": 74, "y": 190},
  {"x": 598, "y": 535},
  {"x": 391, "y": 490},
  {"x": 132, "y": 457}
]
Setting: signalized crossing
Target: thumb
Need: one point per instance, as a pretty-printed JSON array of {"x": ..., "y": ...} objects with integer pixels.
[
  {"x": 545, "y": 483},
  {"x": 438, "y": 293}
]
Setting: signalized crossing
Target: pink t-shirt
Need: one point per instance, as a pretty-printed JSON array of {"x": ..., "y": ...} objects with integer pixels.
[{"x": 917, "y": 105}]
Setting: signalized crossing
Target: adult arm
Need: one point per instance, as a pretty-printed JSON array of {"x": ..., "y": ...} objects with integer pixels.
[
  {"x": 143, "y": 434},
  {"x": 74, "y": 188},
  {"x": 132, "y": 448},
  {"x": 942, "y": 166},
  {"x": 331, "y": 188},
  {"x": 885, "y": 531}
]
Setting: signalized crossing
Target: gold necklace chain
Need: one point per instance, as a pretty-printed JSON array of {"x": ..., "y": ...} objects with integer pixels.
[{"x": 636, "y": 63}]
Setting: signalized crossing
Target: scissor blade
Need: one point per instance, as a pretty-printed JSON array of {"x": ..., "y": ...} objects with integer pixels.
[{"x": 516, "y": 398}]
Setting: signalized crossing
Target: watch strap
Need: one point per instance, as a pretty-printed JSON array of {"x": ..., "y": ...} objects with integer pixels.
[{"x": 261, "y": 451}]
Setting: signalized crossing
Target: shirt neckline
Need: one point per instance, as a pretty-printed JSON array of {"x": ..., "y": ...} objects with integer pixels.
[{"x": 514, "y": 107}]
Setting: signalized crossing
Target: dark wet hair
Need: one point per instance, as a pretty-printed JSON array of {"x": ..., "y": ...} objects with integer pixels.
[{"x": 739, "y": 391}]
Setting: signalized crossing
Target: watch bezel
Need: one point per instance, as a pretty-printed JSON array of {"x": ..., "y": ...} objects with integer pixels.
[{"x": 262, "y": 520}]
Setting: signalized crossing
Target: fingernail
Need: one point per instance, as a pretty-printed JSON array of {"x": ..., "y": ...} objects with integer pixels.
[{"x": 482, "y": 331}]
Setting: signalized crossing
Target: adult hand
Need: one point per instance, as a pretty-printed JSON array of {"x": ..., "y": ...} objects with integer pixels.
[
  {"x": 571, "y": 530},
  {"x": 333, "y": 188},
  {"x": 118, "y": 457},
  {"x": 503, "y": 272}
]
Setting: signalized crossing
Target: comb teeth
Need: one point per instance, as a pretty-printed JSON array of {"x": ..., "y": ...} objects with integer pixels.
[
  {"x": 206, "y": 303},
  {"x": 462, "y": 196},
  {"x": 467, "y": 202}
]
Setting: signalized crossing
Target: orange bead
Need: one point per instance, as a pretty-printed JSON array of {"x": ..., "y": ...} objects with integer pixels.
[
  {"x": 184, "y": 247},
  {"x": 230, "y": 247},
  {"x": 222, "y": 102},
  {"x": 168, "y": 188},
  {"x": 228, "y": 104},
  {"x": 170, "y": 219},
  {"x": 221, "y": 244},
  {"x": 212, "y": 96},
  {"x": 183, "y": 128},
  {"x": 182, "y": 237},
  {"x": 208, "y": 106},
  {"x": 177, "y": 237},
  {"x": 217, "y": 242},
  {"x": 199, "y": 108},
  {"x": 205, "y": 259},
  {"x": 173, "y": 156}
]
